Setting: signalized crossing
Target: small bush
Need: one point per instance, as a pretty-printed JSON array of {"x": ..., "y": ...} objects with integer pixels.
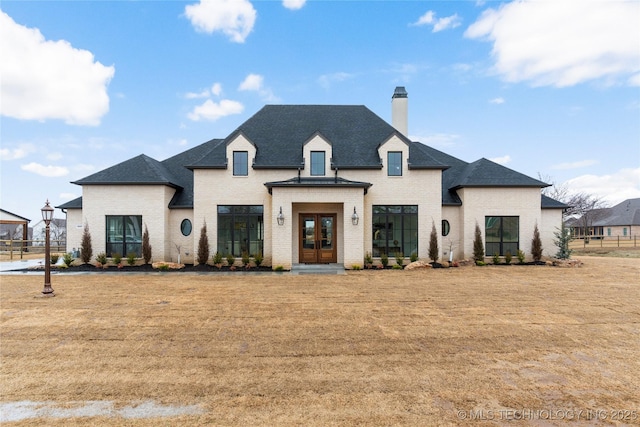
[
  {"x": 131, "y": 258},
  {"x": 116, "y": 258},
  {"x": 356, "y": 267},
  {"x": 54, "y": 259},
  {"x": 481, "y": 263},
  {"x": 246, "y": 259},
  {"x": 396, "y": 267},
  {"x": 536, "y": 245},
  {"x": 217, "y": 258},
  {"x": 496, "y": 258},
  {"x": 101, "y": 258},
  {"x": 258, "y": 258},
  {"x": 231, "y": 260},
  {"x": 413, "y": 257},
  {"x": 507, "y": 258},
  {"x": 399, "y": 258},
  {"x": 68, "y": 259},
  {"x": 163, "y": 267},
  {"x": 433, "y": 243},
  {"x": 279, "y": 268},
  {"x": 368, "y": 259},
  {"x": 520, "y": 256},
  {"x": 384, "y": 259}
]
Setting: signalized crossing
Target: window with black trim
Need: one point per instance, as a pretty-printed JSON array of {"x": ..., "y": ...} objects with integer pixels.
[
  {"x": 240, "y": 163},
  {"x": 124, "y": 234},
  {"x": 185, "y": 227},
  {"x": 395, "y": 229},
  {"x": 502, "y": 235},
  {"x": 446, "y": 228},
  {"x": 240, "y": 229},
  {"x": 394, "y": 163},
  {"x": 318, "y": 163}
]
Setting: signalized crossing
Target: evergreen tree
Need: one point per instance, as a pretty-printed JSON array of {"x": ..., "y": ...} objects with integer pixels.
[
  {"x": 478, "y": 245},
  {"x": 146, "y": 246},
  {"x": 203, "y": 246},
  {"x": 536, "y": 245},
  {"x": 433, "y": 243},
  {"x": 563, "y": 237},
  {"x": 86, "y": 249}
]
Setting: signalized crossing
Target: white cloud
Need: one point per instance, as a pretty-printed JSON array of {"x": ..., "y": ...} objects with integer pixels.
[
  {"x": 615, "y": 188},
  {"x": 563, "y": 42},
  {"x": 216, "y": 89},
  {"x": 575, "y": 165},
  {"x": 501, "y": 160},
  {"x": 440, "y": 24},
  {"x": 327, "y": 80},
  {"x": 293, "y": 4},
  {"x": 43, "y": 79},
  {"x": 48, "y": 171},
  {"x": 253, "y": 82},
  {"x": 212, "y": 111},
  {"x": 497, "y": 101},
  {"x": 234, "y": 18},
  {"x": 19, "y": 152}
]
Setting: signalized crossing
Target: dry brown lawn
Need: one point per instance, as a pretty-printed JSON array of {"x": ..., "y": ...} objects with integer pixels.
[{"x": 474, "y": 345}]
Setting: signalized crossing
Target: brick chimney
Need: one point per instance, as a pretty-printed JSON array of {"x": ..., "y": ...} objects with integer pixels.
[{"x": 400, "y": 110}]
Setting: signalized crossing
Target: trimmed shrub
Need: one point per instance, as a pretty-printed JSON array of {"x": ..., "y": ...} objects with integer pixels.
[
  {"x": 116, "y": 258},
  {"x": 258, "y": 258},
  {"x": 520, "y": 256},
  {"x": 478, "y": 246},
  {"x": 384, "y": 260},
  {"x": 131, "y": 258},
  {"x": 399, "y": 258},
  {"x": 68, "y": 259},
  {"x": 101, "y": 258},
  {"x": 86, "y": 249},
  {"x": 203, "y": 246},
  {"x": 433, "y": 243},
  {"x": 507, "y": 258},
  {"x": 536, "y": 245},
  {"x": 496, "y": 258},
  {"x": 146, "y": 246}
]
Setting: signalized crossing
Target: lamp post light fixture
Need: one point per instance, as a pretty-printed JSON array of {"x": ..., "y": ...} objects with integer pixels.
[
  {"x": 354, "y": 217},
  {"x": 47, "y": 216},
  {"x": 280, "y": 217}
]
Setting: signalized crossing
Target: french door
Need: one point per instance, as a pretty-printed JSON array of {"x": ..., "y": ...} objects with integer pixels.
[{"x": 318, "y": 238}]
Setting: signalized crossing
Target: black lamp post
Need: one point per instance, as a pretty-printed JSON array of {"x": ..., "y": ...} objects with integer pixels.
[{"x": 47, "y": 216}]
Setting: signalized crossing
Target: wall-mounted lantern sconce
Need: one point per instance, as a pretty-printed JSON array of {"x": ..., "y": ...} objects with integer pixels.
[
  {"x": 280, "y": 217},
  {"x": 354, "y": 217}
]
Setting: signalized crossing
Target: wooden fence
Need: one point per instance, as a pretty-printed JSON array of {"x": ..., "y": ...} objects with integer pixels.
[
  {"x": 18, "y": 249},
  {"x": 604, "y": 242}
]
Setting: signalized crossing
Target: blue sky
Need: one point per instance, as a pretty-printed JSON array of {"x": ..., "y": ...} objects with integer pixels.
[{"x": 541, "y": 87}]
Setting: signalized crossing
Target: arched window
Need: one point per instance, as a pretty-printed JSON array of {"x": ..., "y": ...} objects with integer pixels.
[{"x": 445, "y": 227}]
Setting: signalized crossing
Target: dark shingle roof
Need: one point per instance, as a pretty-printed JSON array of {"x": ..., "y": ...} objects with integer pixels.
[
  {"x": 625, "y": 213},
  {"x": 279, "y": 133},
  {"x": 138, "y": 170},
  {"x": 485, "y": 173},
  {"x": 549, "y": 203},
  {"x": 318, "y": 182},
  {"x": 72, "y": 204}
]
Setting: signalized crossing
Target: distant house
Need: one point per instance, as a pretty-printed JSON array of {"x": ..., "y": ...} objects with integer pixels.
[
  {"x": 621, "y": 220},
  {"x": 13, "y": 227},
  {"x": 57, "y": 232},
  {"x": 312, "y": 184}
]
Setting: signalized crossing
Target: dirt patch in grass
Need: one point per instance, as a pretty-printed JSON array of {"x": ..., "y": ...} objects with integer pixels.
[{"x": 432, "y": 347}]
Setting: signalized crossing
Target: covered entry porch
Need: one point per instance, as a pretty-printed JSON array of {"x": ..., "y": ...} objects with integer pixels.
[{"x": 317, "y": 225}]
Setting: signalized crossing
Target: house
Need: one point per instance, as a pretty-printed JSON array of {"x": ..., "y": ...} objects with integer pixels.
[
  {"x": 13, "y": 227},
  {"x": 312, "y": 184},
  {"x": 620, "y": 221},
  {"x": 57, "y": 232}
]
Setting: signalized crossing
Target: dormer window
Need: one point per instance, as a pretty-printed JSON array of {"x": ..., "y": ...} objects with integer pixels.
[
  {"x": 318, "y": 163},
  {"x": 240, "y": 163},
  {"x": 394, "y": 163}
]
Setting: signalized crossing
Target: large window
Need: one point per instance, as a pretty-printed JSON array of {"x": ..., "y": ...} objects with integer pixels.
[
  {"x": 502, "y": 235},
  {"x": 395, "y": 229},
  {"x": 124, "y": 235},
  {"x": 394, "y": 163},
  {"x": 317, "y": 163},
  {"x": 240, "y": 230},
  {"x": 240, "y": 163}
]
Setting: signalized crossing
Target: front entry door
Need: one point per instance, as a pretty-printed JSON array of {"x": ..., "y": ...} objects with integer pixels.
[{"x": 318, "y": 238}]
